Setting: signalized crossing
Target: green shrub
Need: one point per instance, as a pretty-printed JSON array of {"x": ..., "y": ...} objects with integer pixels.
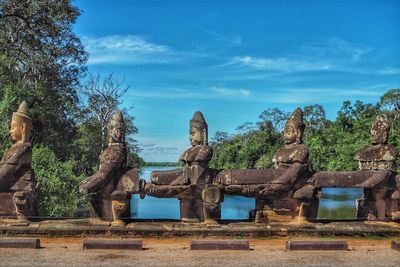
[{"x": 57, "y": 184}]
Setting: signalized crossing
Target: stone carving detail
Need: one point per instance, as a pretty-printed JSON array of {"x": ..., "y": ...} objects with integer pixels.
[
  {"x": 375, "y": 175},
  {"x": 274, "y": 188},
  {"x": 194, "y": 185},
  {"x": 17, "y": 179},
  {"x": 110, "y": 187},
  {"x": 288, "y": 191}
]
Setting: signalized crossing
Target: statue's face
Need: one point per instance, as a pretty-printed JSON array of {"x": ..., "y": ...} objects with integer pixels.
[
  {"x": 290, "y": 134},
  {"x": 196, "y": 136},
  {"x": 16, "y": 131},
  {"x": 115, "y": 135},
  {"x": 378, "y": 137}
]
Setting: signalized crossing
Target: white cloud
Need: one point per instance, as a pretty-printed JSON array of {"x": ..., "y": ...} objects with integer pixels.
[
  {"x": 330, "y": 54},
  {"x": 389, "y": 71},
  {"x": 162, "y": 149},
  {"x": 213, "y": 92},
  {"x": 127, "y": 49},
  {"x": 228, "y": 39},
  {"x": 230, "y": 92},
  {"x": 279, "y": 64}
]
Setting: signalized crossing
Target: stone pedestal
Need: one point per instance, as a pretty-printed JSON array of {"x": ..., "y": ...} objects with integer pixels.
[{"x": 7, "y": 208}]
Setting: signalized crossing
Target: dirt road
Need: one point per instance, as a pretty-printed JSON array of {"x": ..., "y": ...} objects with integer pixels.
[{"x": 175, "y": 252}]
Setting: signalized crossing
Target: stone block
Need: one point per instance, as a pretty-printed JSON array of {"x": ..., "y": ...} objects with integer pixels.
[
  {"x": 20, "y": 243},
  {"x": 219, "y": 245},
  {"x": 396, "y": 245},
  {"x": 317, "y": 245},
  {"x": 113, "y": 244}
]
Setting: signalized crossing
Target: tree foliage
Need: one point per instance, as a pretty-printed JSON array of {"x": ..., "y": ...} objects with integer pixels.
[
  {"x": 43, "y": 62},
  {"x": 332, "y": 144},
  {"x": 57, "y": 184}
]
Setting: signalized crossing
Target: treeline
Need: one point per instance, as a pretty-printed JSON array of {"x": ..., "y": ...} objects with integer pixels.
[
  {"x": 161, "y": 164},
  {"x": 332, "y": 144},
  {"x": 43, "y": 62}
]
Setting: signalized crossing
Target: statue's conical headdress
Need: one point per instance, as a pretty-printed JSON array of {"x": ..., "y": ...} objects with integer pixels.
[
  {"x": 199, "y": 122},
  {"x": 116, "y": 128},
  {"x": 380, "y": 128},
  {"x": 22, "y": 114},
  {"x": 296, "y": 120}
]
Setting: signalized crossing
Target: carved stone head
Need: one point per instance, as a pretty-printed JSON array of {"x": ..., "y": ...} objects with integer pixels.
[
  {"x": 380, "y": 130},
  {"x": 198, "y": 130},
  {"x": 21, "y": 124},
  {"x": 294, "y": 128},
  {"x": 116, "y": 128}
]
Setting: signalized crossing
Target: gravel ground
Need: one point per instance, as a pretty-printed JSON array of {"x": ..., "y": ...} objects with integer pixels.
[{"x": 175, "y": 252}]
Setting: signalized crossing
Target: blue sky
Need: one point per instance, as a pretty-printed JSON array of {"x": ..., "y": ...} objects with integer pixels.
[{"x": 233, "y": 59}]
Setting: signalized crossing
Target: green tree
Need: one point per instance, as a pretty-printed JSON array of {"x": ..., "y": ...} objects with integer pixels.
[
  {"x": 42, "y": 62},
  {"x": 101, "y": 98},
  {"x": 57, "y": 184},
  {"x": 390, "y": 102}
]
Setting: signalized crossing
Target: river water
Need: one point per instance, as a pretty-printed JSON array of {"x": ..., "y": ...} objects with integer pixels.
[{"x": 237, "y": 207}]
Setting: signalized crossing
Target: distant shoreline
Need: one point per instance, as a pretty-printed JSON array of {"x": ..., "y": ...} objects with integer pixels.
[{"x": 161, "y": 164}]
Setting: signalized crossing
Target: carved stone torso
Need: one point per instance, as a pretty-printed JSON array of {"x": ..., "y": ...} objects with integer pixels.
[
  {"x": 200, "y": 154},
  {"x": 377, "y": 157},
  {"x": 289, "y": 154},
  {"x": 15, "y": 168},
  {"x": 114, "y": 154},
  {"x": 19, "y": 153},
  {"x": 113, "y": 161}
]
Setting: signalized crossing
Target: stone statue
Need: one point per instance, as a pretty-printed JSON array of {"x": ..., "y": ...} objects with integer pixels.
[
  {"x": 197, "y": 157},
  {"x": 199, "y": 200},
  {"x": 379, "y": 157},
  {"x": 375, "y": 175},
  {"x": 17, "y": 179},
  {"x": 273, "y": 188},
  {"x": 111, "y": 185},
  {"x": 293, "y": 158}
]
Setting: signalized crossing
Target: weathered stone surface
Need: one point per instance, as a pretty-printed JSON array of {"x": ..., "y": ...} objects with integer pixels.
[
  {"x": 191, "y": 185},
  {"x": 353, "y": 179},
  {"x": 291, "y": 173},
  {"x": 247, "y": 177},
  {"x": 7, "y": 208},
  {"x": 317, "y": 245},
  {"x": 75, "y": 227},
  {"x": 376, "y": 175},
  {"x": 113, "y": 244},
  {"x": 219, "y": 245},
  {"x": 165, "y": 177},
  {"x": 20, "y": 243},
  {"x": 17, "y": 179},
  {"x": 380, "y": 155},
  {"x": 72, "y": 227},
  {"x": 396, "y": 245},
  {"x": 112, "y": 185}
]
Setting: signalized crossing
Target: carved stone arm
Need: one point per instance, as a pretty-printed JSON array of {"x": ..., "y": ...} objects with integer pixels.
[
  {"x": 99, "y": 179},
  {"x": 291, "y": 174},
  {"x": 8, "y": 175},
  {"x": 166, "y": 191}
]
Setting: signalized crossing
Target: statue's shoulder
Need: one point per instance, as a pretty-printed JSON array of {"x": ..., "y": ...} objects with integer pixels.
[
  {"x": 198, "y": 153},
  {"x": 381, "y": 152},
  {"x": 113, "y": 154},
  {"x": 205, "y": 152},
  {"x": 289, "y": 154},
  {"x": 18, "y": 153}
]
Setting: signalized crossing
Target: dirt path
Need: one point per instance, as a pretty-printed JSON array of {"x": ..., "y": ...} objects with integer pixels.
[{"x": 175, "y": 252}]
